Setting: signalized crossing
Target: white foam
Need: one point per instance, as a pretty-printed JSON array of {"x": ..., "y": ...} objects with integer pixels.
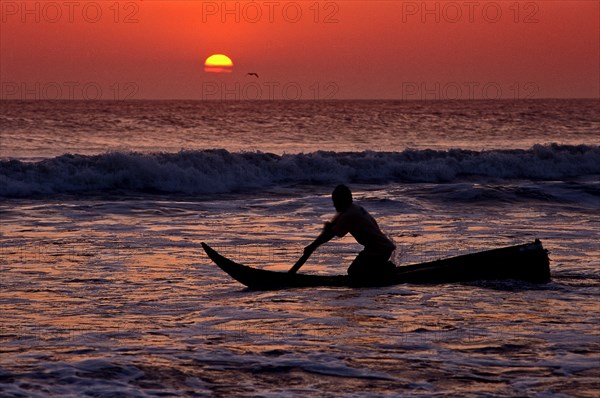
[{"x": 219, "y": 171}]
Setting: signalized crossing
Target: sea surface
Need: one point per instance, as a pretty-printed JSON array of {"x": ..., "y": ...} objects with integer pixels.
[{"x": 105, "y": 290}]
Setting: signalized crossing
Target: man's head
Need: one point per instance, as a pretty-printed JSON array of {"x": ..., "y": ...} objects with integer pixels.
[{"x": 342, "y": 197}]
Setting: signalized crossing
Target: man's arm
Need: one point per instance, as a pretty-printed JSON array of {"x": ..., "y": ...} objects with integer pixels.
[{"x": 325, "y": 236}]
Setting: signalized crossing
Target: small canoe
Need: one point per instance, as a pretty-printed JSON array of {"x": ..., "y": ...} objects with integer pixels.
[{"x": 528, "y": 262}]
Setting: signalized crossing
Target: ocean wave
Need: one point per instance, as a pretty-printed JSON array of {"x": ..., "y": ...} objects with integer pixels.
[{"x": 220, "y": 171}]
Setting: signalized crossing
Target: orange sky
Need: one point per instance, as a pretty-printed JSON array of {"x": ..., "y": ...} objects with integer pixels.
[{"x": 300, "y": 49}]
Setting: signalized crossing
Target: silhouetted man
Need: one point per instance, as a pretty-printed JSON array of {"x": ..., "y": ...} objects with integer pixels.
[{"x": 371, "y": 263}]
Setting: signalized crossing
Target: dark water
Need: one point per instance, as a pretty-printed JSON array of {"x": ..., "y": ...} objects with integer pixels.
[
  {"x": 105, "y": 291},
  {"x": 42, "y": 129}
]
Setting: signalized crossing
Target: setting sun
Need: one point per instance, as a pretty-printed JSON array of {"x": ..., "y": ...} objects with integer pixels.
[{"x": 218, "y": 63}]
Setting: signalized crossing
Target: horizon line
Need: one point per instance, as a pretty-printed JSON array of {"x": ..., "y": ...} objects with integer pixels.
[{"x": 295, "y": 100}]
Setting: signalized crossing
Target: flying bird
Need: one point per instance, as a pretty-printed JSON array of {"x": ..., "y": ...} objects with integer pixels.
[{"x": 252, "y": 74}]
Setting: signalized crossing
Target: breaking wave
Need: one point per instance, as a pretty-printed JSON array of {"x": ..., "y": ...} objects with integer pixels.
[{"x": 220, "y": 171}]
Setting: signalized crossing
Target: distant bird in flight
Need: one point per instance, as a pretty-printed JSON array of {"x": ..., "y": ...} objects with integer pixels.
[{"x": 252, "y": 74}]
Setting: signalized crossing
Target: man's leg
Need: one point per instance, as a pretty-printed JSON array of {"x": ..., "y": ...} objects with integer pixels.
[
  {"x": 359, "y": 266},
  {"x": 369, "y": 269}
]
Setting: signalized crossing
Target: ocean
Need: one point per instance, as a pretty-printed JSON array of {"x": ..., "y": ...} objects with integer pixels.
[{"x": 105, "y": 290}]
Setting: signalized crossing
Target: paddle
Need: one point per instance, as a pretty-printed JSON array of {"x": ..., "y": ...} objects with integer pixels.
[
  {"x": 324, "y": 236},
  {"x": 300, "y": 262}
]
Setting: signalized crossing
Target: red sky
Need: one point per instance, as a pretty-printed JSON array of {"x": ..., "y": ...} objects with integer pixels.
[{"x": 300, "y": 49}]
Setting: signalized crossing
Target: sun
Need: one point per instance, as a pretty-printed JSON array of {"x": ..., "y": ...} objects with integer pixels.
[{"x": 218, "y": 63}]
